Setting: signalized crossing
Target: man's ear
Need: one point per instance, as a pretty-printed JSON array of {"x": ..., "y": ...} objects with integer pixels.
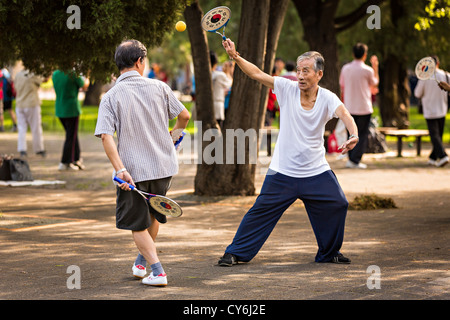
[{"x": 320, "y": 74}]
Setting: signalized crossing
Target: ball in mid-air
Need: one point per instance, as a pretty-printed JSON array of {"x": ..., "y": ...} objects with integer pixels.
[{"x": 180, "y": 26}]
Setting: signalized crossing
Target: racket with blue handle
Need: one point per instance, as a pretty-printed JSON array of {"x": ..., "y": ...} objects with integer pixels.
[
  {"x": 161, "y": 204},
  {"x": 216, "y": 19},
  {"x": 177, "y": 144}
]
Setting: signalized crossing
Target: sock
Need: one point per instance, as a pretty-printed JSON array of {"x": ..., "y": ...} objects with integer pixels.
[
  {"x": 157, "y": 269},
  {"x": 140, "y": 260}
]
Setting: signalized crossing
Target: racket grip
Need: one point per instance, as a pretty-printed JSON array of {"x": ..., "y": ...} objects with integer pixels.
[
  {"x": 179, "y": 140},
  {"x": 121, "y": 181}
]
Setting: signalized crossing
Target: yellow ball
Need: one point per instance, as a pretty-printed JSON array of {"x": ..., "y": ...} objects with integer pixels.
[{"x": 180, "y": 26}]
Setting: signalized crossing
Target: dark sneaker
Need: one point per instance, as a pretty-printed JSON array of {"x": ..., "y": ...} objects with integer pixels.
[
  {"x": 42, "y": 153},
  {"x": 339, "y": 258},
  {"x": 228, "y": 260}
]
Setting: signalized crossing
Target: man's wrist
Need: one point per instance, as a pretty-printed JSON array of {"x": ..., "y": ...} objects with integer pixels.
[
  {"x": 353, "y": 136},
  {"x": 121, "y": 171},
  {"x": 235, "y": 56}
]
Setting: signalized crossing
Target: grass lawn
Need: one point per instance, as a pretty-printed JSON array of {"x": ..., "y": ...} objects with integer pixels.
[{"x": 88, "y": 120}]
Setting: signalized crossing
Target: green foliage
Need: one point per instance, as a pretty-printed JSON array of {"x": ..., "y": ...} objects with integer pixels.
[
  {"x": 398, "y": 34},
  {"x": 435, "y": 9},
  {"x": 36, "y": 32},
  {"x": 88, "y": 118}
]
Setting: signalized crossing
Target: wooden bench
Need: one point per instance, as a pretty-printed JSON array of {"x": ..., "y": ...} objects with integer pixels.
[{"x": 404, "y": 133}]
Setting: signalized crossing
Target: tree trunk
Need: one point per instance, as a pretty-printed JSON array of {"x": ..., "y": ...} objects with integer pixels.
[
  {"x": 93, "y": 93},
  {"x": 320, "y": 33},
  {"x": 394, "y": 93},
  {"x": 202, "y": 71},
  {"x": 394, "y": 85},
  {"x": 276, "y": 18},
  {"x": 318, "y": 22},
  {"x": 204, "y": 95},
  {"x": 225, "y": 176}
]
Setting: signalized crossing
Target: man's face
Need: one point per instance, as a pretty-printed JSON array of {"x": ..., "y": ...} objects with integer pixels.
[{"x": 307, "y": 77}]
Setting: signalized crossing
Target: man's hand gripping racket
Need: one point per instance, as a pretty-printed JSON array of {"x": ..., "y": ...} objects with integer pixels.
[{"x": 161, "y": 204}]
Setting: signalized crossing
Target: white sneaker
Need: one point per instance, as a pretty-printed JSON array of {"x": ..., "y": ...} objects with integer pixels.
[
  {"x": 158, "y": 281},
  {"x": 442, "y": 162},
  {"x": 351, "y": 164},
  {"x": 431, "y": 162},
  {"x": 139, "y": 271}
]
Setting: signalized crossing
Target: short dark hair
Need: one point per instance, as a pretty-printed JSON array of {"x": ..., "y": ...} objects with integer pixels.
[
  {"x": 359, "y": 50},
  {"x": 435, "y": 58},
  {"x": 128, "y": 52},
  {"x": 290, "y": 66},
  {"x": 213, "y": 58}
]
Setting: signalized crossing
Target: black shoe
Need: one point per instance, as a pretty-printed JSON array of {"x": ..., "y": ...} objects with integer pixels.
[
  {"x": 228, "y": 260},
  {"x": 339, "y": 258},
  {"x": 23, "y": 154},
  {"x": 42, "y": 153}
]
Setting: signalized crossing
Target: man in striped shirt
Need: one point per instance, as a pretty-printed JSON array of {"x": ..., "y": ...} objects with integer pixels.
[{"x": 138, "y": 110}]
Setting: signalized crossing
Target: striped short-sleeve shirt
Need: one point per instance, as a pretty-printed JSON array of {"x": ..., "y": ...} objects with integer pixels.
[{"x": 138, "y": 110}]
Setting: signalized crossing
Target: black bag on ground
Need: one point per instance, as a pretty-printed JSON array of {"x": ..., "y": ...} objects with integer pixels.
[{"x": 14, "y": 169}]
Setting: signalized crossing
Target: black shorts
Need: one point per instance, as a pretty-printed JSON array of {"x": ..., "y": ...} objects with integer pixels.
[
  {"x": 7, "y": 105},
  {"x": 133, "y": 212}
]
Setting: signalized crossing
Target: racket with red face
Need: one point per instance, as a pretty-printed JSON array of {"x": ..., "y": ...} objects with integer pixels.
[
  {"x": 216, "y": 19},
  {"x": 161, "y": 204},
  {"x": 426, "y": 69}
]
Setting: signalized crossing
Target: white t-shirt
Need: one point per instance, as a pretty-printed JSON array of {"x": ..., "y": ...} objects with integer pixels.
[
  {"x": 356, "y": 79},
  {"x": 221, "y": 83},
  {"x": 300, "y": 151},
  {"x": 434, "y": 100}
]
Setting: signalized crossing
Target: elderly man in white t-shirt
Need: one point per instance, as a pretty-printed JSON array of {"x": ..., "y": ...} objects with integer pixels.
[{"x": 298, "y": 169}]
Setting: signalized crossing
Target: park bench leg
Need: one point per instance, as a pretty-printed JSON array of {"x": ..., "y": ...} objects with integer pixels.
[
  {"x": 419, "y": 145},
  {"x": 269, "y": 143},
  {"x": 399, "y": 146}
]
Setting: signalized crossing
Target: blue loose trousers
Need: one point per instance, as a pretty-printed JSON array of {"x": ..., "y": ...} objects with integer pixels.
[{"x": 325, "y": 204}]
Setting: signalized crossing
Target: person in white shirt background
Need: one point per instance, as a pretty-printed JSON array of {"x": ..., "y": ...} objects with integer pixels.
[
  {"x": 221, "y": 83},
  {"x": 435, "y": 107},
  {"x": 357, "y": 81}
]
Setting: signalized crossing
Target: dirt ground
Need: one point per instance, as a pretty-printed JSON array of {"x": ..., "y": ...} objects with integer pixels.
[{"x": 46, "y": 229}]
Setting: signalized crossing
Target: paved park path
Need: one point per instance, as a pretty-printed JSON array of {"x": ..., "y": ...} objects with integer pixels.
[{"x": 45, "y": 230}]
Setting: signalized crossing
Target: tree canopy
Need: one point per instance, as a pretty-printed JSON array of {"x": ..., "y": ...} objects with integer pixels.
[{"x": 37, "y": 32}]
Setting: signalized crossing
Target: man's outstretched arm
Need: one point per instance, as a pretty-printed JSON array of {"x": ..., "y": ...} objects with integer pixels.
[{"x": 247, "y": 67}]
